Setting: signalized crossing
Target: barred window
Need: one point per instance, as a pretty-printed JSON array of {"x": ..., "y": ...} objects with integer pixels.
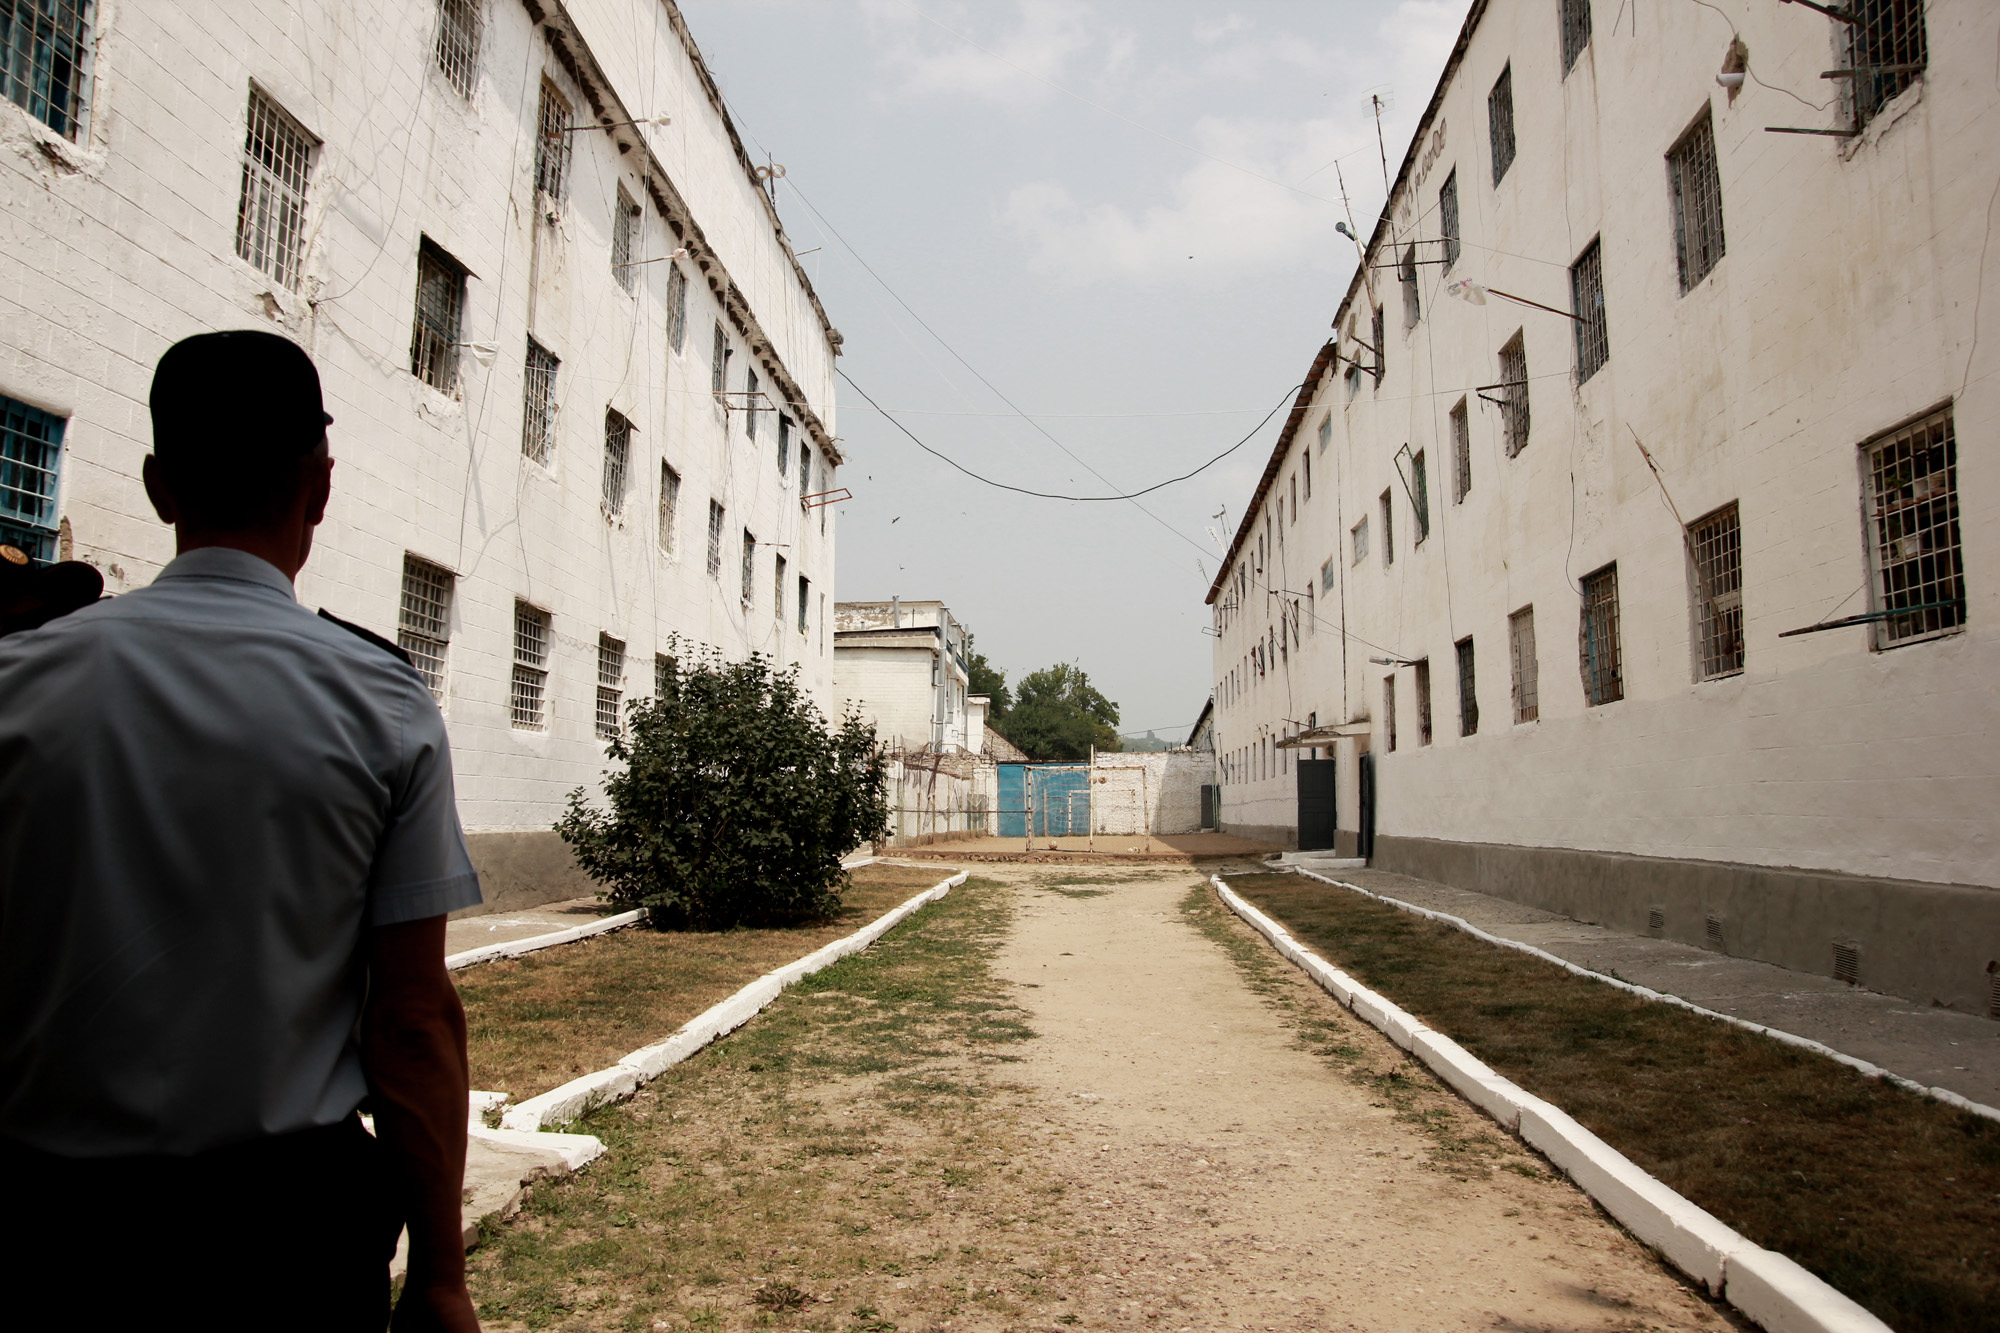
[
  {"x": 617, "y": 450},
  {"x": 624, "y": 233},
  {"x": 552, "y": 143},
  {"x": 30, "y": 464},
  {"x": 1388, "y": 528},
  {"x": 271, "y": 213},
  {"x": 1597, "y": 639},
  {"x": 610, "y": 686},
  {"x": 749, "y": 568},
  {"x": 1461, "y": 453},
  {"x": 805, "y": 470},
  {"x": 1715, "y": 579},
  {"x": 440, "y": 305},
  {"x": 1500, "y": 122},
  {"x": 423, "y": 623},
  {"x": 1575, "y": 30},
  {"x": 1697, "y": 191},
  {"x": 784, "y": 445},
  {"x": 718, "y": 369},
  {"x": 750, "y": 403},
  {"x": 715, "y": 522},
  {"x": 670, "y": 504},
  {"x": 1521, "y": 648},
  {"x": 1448, "y": 218},
  {"x": 531, "y": 668},
  {"x": 45, "y": 59},
  {"x": 1586, "y": 289},
  {"x": 1514, "y": 392},
  {"x": 677, "y": 306},
  {"x": 1406, "y": 273},
  {"x": 1423, "y": 683},
  {"x": 1420, "y": 496},
  {"x": 1360, "y": 536},
  {"x": 1887, "y": 51},
  {"x": 1389, "y": 713},
  {"x": 805, "y": 601},
  {"x": 1468, "y": 690},
  {"x": 538, "y": 403},
  {"x": 1325, "y": 431},
  {"x": 664, "y": 668},
  {"x": 778, "y": 591},
  {"x": 458, "y": 42},
  {"x": 1911, "y": 498},
  {"x": 1381, "y": 346}
]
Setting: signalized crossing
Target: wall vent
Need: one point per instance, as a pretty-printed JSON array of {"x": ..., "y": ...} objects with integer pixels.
[
  {"x": 1656, "y": 919},
  {"x": 1993, "y": 989},
  {"x": 1714, "y": 931},
  {"x": 1846, "y": 963}
]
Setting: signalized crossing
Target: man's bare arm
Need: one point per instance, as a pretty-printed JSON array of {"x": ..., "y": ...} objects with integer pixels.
[{"x": 413, "y": 1048}]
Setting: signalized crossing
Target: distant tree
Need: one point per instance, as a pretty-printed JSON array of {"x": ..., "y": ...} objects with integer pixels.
[
  {"x": 1059, "y": 715},
  {"x": 989, "y": 680}
]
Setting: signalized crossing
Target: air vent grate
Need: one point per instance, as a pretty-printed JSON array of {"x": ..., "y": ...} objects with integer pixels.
[
  {"x": 1846, "y": 963},
  {"x": 1993, "y": 989},
  {"x": 1656, "y": 919},
  {"x": 1714, "y": 931}
]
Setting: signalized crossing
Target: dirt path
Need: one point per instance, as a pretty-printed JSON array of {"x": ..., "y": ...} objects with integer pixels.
[{"x": 1236, "y": 1179}]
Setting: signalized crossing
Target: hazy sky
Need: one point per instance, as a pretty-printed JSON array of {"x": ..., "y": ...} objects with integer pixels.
[{"x": 1145, "y": 278}]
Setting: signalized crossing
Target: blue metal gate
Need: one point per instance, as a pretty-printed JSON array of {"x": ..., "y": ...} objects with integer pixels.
[{"x": 1044, "y": 800}]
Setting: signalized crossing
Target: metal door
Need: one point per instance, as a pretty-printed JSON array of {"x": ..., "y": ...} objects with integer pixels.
[
  {"x": 1062, "y": 800},
  {"x": 1318, "y": 815},
  {"x": 1012, "y": 816},
  {"x": 1365, "y": 835}
]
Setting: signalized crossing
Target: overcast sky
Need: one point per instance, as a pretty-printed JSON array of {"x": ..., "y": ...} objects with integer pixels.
[{"x": 1145, "y": 278}]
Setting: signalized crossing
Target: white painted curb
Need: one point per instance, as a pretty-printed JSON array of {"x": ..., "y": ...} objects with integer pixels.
[
  {"x": 579, "y": 1096},
  {"x": 1863, "y": 1067},
  {"x": 1771, "y": 1289},
  {"x": 510, "y": 948}
]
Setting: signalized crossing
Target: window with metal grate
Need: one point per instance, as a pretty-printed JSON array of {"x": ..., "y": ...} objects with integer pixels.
[
  {"x": 1697, "y": 192},
  {"x": 1514, "y": 416},
  {"x": 458, "y": 31},
  {"x": 1420, "y": 496},
  {"x": 718, "y": 364},
  {"x": 1448, "y": 218},
  {"x": 1500, "y": 123},
  {"x": 677, "y": 307},
  {"x": 715, "y": 525},
  {"x": 750, "y": 404},
  {"x": 1406, "y": 273},
  {"x": 1887, "y": 51},
  {"x": 784, "y": 445},
  {"x": 617, "y": 451},
  {"x": 1597, "y": 638},
  {"x": 1360, "y": 538},
  {"x": 1712, "y": 930},
  {"x": 778, "y": 590},
  {"x": 670, "y": 505},
  {"x": 805, "y": 601},
  {"x": 31, "y": 443},
  {"x": 749, "y": 569},
  {"x": 1421, "y": 678},
  {"x": 1388, "y": 528},
  {"x": 624, "y": 237},
  {"x": 552, "y": 129},
  {"x": 663, "y": 674},
  {"x": 528, "y": 704},
  {"x": 1381, "y": 345},
  {"x": 271, "y": 211},
  {"x": 423, "y": 622},
  {"x": 46, "y": 53},
  {"x": 1461, "y": 453},
  {"x": 1575, "y": 31},
  {"x": 1527, "y": 675},
  {"x": 1846, "y": 962},
  {"x": 805, "y": 470},
  {"x": 610, "y": 686},
  {"x": 1910, "y": 494},
  {"x": 538, "y": 403},
  {"x": 1715, "y": 587},
  {"x": 1656, "y": 919},
  {"x": 1389, "y": 713},
  {"x": 440, "y": 306},
  {"x": 1593, "y": 334},
  {"x": 1468, "y": 690}
]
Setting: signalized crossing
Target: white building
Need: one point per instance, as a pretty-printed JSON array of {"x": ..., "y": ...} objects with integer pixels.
[
  {"x": 1646, "y": 582},
  {"x": 583, "y": 392},
  {"x": 902, "y": 665}
]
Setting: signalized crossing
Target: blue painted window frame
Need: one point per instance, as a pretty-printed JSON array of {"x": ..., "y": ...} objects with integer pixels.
[{"x": 31, "y": 445}]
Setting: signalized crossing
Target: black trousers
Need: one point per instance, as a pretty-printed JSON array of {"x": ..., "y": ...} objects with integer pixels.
[{"x": 292, "y": 1233}]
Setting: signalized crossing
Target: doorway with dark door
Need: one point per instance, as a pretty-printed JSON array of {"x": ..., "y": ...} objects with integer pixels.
[
  {"x": 1365, "y": 789},
  {"x": 1318, "y": 812}
]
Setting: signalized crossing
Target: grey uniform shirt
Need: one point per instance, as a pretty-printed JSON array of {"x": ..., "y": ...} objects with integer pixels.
[{"x": 207, "y": 794}]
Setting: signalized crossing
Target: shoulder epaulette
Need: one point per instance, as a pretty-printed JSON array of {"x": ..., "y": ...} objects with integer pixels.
[{"x": 370, "y": 635}]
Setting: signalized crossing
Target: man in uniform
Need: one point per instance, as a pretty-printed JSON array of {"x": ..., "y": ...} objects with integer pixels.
[{"x": 228, "y": 842}]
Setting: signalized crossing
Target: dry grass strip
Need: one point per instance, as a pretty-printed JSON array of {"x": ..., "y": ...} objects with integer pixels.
[
  {"x": 538, "y": 1021},
  {"x": 1889, "y": 1196}
]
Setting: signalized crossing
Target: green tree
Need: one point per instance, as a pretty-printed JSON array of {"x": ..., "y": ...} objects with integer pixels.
[
  {"x": 987, "y": 679},
  {"x": 1059, "y": 715},
  {"x": 735, "y": 803}
]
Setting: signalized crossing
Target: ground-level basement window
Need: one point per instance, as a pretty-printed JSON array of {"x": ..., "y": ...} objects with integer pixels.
[
  {"x": 1715, "y": 558},
  {"x": 1521, "y": 649},
  {"x": 1911, "y": 498},
  {"x": 610, "y": 686},
  {"x": 1597, "y": 638},
  {"x": 528, "y": 704},
  {"x": 423, "y": 622}
]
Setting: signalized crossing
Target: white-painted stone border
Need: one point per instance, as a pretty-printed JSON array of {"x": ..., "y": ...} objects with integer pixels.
[
  {"x": 579, "y": 1096},
  {"x": 1945, "y": 1095},
  {"x": 510, "y": 948},
  {"x": 1777, "y": 1293}
]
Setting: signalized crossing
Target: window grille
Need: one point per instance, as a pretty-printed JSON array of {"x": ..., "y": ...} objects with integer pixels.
[
  {"x": 1461, "y": 453},
  {"x": 1381, "y": 346},
  {"x": 617, "y": 449},
  {"x": 1597, "y": 639},
  {"x": 1420, "y": 495},
  {"x": 1325, "y": 433},
  {"x": 805, "y": 600},
  {"x": 1360, "y": 536},
  {"x": 677, "y": 306},
  {"x": 1912, "y": 504},
  {"x": 271, "y": 213},
  {"x": 663, "y": 674},
  {"x": 1887, "y": 49},
  {"x": 1307, "y": 459},
  {"x": 718, "y": 366},
  {"x": 1423, "y": 681},
  {"x": 30, "y": 459},
  {"x": 531, "y": 668},
  {"x": 1388, "y": 529},
  {"x": 750, "y": 404},
  {"x": 1521, "y": 648},
  {"x": 784, "y": 445},
  {"x": 1586, "y": 287},
  {"x": 624, "y": 231},
  {"x": 458, "y": 42},
  {"x": 1468, "y": 692},
  {"x": 714, "y": 540},
  {"x": 1514, "y": 392},
  {"x": 1575, "y": 31},
  {"x": 805, "y": 469},
  {"x": 1448, "y": 218},
  {"x": 538, "y": 403},
  {"x": 749, "y": 568},
  {"x": 1406, "y": 273},
  {"x": 1500, "y": 123},
  {"x": 423, "y": 624},
  {"x": 1353, "y": 381},
  {"x": 670, "y": 504},
  {"x": 45, "y": 59},
  {"x": 610, "y": 686},
  {"x": 1328, "y": 576},
  {"x": 1697, "y": 191},
  {"x": 552, "y": 144},
  {"x": 1715, "y": 551},
  {"x": 1389, "y": 713},
  {"x": 440, "y": 303}
]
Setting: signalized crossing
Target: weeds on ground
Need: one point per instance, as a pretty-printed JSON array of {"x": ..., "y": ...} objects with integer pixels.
[{"x": 1891, "y": 1197}]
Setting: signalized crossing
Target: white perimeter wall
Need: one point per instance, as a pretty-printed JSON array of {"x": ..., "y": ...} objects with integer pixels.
[{"x": 1149, "y": 793}]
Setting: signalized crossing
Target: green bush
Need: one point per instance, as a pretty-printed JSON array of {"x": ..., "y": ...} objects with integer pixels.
[{"x": 735, "y": 803}]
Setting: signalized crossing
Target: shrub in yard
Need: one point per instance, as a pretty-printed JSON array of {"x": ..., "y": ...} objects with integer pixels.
[{"x": 735, "y": 802}]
